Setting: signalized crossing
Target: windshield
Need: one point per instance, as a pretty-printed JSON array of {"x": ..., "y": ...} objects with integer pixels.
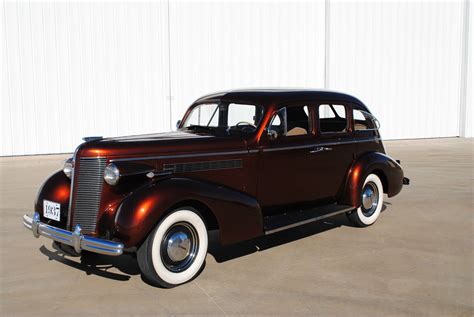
[{"x": 228, "y": 117}]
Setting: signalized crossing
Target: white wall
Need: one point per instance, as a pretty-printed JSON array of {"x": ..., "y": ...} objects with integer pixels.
[
  {"x": 75, "y": 69},
  {"x": 218, "y": 46},
  {"x": 403, "y": 60}
]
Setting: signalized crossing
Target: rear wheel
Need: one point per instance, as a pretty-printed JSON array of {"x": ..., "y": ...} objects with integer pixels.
[
  {"x": 372, "y": 202},
  {"x": 174, "y": 252}
]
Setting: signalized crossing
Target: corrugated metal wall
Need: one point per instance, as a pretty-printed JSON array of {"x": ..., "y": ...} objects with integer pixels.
[
  {"x": 75, "y": 69},
  {"x": 403, "y": 60},
  {"x": 217, "y": 46}
]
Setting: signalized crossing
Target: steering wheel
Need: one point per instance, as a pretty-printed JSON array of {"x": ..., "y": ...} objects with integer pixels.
[{"x": 247, "y": 123}]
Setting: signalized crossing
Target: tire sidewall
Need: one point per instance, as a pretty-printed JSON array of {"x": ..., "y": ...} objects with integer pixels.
[
  {"x": 190, "y": 216},
  {"x": 367, "y": 221}
]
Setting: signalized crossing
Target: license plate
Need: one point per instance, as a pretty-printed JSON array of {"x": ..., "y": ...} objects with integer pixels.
[{"x": 51, "y": 210}]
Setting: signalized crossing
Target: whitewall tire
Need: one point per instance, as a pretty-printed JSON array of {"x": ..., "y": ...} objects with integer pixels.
[
  {"x": 175, "y": 251},
  {"x": 371, "y": 202}
]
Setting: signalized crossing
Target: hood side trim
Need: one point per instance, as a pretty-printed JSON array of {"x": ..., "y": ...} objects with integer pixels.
[{"x": 160, "y": 157}]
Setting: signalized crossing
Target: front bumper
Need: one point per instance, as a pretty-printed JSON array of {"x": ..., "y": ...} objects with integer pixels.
[{"x": 75, "y": 238}]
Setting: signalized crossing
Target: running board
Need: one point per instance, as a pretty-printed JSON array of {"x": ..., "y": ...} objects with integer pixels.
[{"x": 297, "y": 218}]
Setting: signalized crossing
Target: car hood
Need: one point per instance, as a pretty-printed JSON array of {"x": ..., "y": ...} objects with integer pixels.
[{"x": 169, "y": 143}]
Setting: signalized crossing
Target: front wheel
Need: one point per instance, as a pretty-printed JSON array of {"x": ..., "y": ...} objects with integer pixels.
[
  {"x": 372, "y": 202},
  {"x": 174, "y": 252}
]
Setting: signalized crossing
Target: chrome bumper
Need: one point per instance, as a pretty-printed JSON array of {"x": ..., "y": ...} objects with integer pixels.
[{"x": 75, "y": 239}]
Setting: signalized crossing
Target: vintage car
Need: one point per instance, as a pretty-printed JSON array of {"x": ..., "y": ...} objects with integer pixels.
[{"x": 245, "y": 162}]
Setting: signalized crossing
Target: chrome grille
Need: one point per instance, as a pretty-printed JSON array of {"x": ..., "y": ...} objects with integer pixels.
[{"x": 88, "y": 189}]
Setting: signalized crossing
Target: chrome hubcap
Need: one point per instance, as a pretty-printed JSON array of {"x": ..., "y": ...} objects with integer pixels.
[
  {"x": 179, "y": 247},
  {"x": 370, "y": 199}
]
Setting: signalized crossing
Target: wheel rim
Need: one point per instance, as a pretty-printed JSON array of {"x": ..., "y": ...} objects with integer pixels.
[
  {"x": 179, "y": 247},
  {"x": 370, "y": 199}
]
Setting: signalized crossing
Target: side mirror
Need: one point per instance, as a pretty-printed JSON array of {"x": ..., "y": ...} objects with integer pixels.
[
  {"x": 178, "y": 123},
  {"x": 272, "y": 135}
]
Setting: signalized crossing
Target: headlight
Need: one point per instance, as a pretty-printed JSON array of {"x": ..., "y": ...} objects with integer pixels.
[
  {"x": 68, "y": 167},
  {"x": 111, "y": 174}
]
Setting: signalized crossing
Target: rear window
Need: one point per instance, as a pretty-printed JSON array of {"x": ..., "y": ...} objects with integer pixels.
[{"x": 364, "y": 121}]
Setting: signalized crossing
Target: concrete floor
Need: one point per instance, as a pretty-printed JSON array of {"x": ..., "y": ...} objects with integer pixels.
[{"x": 416, "y": 260}]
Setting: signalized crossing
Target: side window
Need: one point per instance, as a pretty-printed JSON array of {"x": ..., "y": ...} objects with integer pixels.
[
  {"x": 298, "y": 121},
  {"x": 241, "y": 113},
  {"x": 332, "y": 118},
  {"x": 325, "y": 112},
  {"x": 364, "y": 121},
  {"x": 291, "y": 121},
  {"x": 360, "y": 121}
]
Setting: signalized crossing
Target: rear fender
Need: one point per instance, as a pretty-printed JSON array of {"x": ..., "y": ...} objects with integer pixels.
[
  {"x": 238, "y": 215},
  {"x": 374, "y": 162}
]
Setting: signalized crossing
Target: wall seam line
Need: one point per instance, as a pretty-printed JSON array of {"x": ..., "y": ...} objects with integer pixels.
[
  {"x": 463, "y": 70},
  {"x": 326, "y": 42},
  {"x": 7, "y": 66},
  {"x": 169, "y": 68}
]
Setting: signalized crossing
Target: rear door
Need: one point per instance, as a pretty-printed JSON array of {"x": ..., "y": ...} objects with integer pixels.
[{"x": 333, "y": 155}]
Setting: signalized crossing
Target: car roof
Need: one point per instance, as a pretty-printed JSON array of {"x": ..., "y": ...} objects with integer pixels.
[{"x": 267, "y": 96}]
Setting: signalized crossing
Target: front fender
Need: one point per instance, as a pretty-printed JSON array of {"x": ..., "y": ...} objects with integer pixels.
[
  {"x": 373, "y": 162},
  {"x": 55, "y": 188},
  {"x": 238, "y": 215}
]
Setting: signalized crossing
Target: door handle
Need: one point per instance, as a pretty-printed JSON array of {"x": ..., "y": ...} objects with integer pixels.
[{"x": 320, "y": 149}]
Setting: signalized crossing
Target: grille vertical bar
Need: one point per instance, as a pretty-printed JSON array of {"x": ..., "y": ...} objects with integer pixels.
[{"x": 90, "y": 178}]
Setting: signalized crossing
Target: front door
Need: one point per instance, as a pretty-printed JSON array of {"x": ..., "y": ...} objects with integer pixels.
[{"x": 286, "y": 164}]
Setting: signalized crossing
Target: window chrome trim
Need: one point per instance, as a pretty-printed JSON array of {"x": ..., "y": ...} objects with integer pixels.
[
  {"x": 308, "y": 146},
  {"x": 253, "y": 151},
  {"x": 363, "y": 130}
]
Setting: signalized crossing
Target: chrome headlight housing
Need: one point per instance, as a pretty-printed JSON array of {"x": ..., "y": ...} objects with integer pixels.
[
  {"x": 111, "y": 174},
  {"x": 68, "y": 167}
]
